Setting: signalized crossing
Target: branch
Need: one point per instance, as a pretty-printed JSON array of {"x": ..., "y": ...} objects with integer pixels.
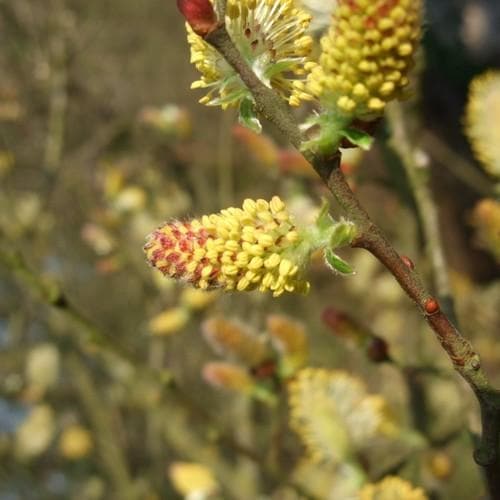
[
  {"x": 225, "y": 173},
  {"x": 58, "y": 95},
  {"x": 110, "y": 452},
  {"x": 460, "y": 351},
  {"x": 461, "y": 168},
  {"x": 418, "y": 178},
  {"x": 50, "y": 293}
]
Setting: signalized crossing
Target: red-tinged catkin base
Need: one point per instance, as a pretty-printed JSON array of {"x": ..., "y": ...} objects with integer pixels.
[{"x": 240, "y": 249}]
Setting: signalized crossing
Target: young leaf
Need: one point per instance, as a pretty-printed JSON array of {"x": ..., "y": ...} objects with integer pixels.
[
  {"x": 343, "y": 232},
  {"x": 324, "y": 220},
  {"x": 358, "y": 137},
  {"x": 248, "y": 118},
  {"x": 337, "y": 264}
]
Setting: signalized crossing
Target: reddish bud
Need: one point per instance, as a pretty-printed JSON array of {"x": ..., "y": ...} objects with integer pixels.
[
  {"x": 342, "y": 325},
  {"x": 347, "y": 168},
  {"x": 264, "y": 370},
  {"x": 378, "y": 350},
  {"x": 408, "y": 262},
  {"x": 431, "y": 306},
  {"x": 475, "y": 362},
  {"x": 200, "y": 15},
  {"x": 333, "y": 318}
]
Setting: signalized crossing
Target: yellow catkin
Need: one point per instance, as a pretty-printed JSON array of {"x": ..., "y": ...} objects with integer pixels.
[
  {"x": 192, "y": 480},
  {"x": 249, "y": 248},
  {"x": 366, "y": 56},
  {"x": 333, "y": 413},
  {"x": 271, "y": 37},
  {"x": 170, "y": 321},
  {"x": 289, "y": 336},
  {"x": 75, "y": 442},
  {"x": 482, "y": 118},
  {"x": 390, "y": 488},
  {"x": 233, "y": 340},
  {"x": 486, "y": 220},
  {"x": 227, "y": 376}
]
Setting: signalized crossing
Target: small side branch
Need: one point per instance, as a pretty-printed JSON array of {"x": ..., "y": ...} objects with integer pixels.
[{"x": 51, "y": 294}]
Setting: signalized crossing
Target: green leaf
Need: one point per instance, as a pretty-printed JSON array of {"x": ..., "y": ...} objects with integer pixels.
[
  {"x": 342, "y": 233},
  {"x": 337, "y": 264},
  {"x": 326, "y": 133},
  {"x": 358, "y": 137},
  {"x": 247, "y": 117},
  {"x": 283, "y": 66},
  {"x": 263, "y": 393},
  {"x": 324, "y": 220}
]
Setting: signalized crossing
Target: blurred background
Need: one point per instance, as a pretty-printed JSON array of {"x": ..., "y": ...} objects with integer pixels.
[{"x": 115, "y": 382}]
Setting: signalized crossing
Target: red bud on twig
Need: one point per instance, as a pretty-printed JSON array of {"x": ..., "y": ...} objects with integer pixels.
[
  {"x": 431, "y": 306},
  {"x": 200, "y": 15},
  {"x": 408, "y": 262}
]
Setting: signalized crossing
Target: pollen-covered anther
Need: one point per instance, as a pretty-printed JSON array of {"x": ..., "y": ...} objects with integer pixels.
[
  {"x": 391, "y": 487},
  {"x": 271, "y": 37},
  {"x": 366, "y": 56},
  {"x": 250, "y": 248}
]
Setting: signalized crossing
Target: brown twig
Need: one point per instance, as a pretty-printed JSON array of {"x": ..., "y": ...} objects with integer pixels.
[{"x": 460, "y": 351}]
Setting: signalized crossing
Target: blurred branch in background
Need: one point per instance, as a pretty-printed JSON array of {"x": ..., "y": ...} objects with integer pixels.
[
  {"x": 50, "y": 293},
  {"x": 58, "y": 85},
  {"x": 104, "y": 422},
  {"x": 456, "y": 164},
  {"x": 417, "y": 169},
  {"x": 225, "y": 160}
]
